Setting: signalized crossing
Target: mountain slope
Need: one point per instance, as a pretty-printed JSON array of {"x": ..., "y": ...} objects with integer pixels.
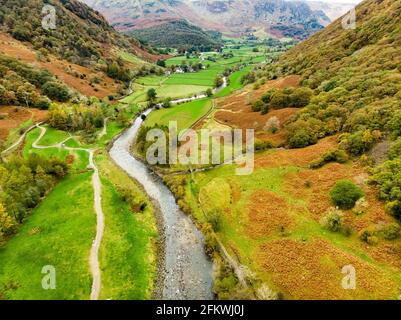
[
  {"x": 81, "y": 36},
  {"x": 355, "y": 74},
  {"x": 83, "y": 52},
  {"x": 230, "y": 16},
  {"x": 176, "y": 33}
]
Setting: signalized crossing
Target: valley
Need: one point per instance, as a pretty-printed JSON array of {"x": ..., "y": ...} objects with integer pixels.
[{"x": 78, "y": 193}]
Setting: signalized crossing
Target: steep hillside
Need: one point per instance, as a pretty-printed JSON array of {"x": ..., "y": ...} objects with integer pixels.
[
  {"x": 275, "y": 17},
  {"x": 355, "y": 73},
  {"x": 82, "y": 52},
  {"x": 177, "y": 33},
  {"x": 351, "y": 82},
  {"x": 81, "y": 35}
]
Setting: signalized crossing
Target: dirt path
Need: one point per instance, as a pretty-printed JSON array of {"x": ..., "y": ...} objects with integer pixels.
[{"x": 97, "y": 188}]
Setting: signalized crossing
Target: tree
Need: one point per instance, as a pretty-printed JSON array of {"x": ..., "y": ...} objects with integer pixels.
[
  {"x": 218, "y": 82},
  {"x": 166, "y": 103},
  {"x": 345, "y": 194},
  {"x": 209, "y": 92},
  {"x": 152, "y": 95},
  {"x": 161, "y": 63},
  {"x": 56, "y": 91},
  {"x": 7, "y": 223}
]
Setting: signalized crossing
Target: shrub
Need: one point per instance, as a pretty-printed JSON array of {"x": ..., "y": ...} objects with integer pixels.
[
  {"x": 263, "y": 145},
  {"x": 56, "y": 91},
  {"x": 395, "y": 150},
  {"x": 268, "y": 95},
  {"x": 394, "y": 208},
  {"x": 301, "y": 138},
  {"x": 257, "y": 106},
  {"x": 395, "y": 124},
  {"x": 391, "y": 231},
  {"x": 345, "y": 194},
  {"x": 332, "y": 221},
  {"x": 339, "y": 156},
  {"x": 368, "y": 235},
  {"x": 215, "y": 219},
  {"x": 43, "y": 103}
]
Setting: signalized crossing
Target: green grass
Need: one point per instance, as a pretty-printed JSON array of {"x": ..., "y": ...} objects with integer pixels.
[
  {"x": 131, "y": 58},
  {"x": 59, "y": 232},
  {"x": 234, "y": 83},
  {"x": 185, "y": 114},
  {"x": 51, "y": 137},
  {"x": 127, "y": 253}
]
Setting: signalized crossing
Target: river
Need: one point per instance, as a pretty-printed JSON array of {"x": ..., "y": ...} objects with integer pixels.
[{"x": 187, "y": 270}]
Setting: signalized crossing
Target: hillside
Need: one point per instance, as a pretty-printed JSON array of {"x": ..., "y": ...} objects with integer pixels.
[
  {"x": 80, "y": 56},
  {"x": 178, "y": 33},
  {"x": 82, "y": 36},
  {"x": 355, "y": 74},
  {"x": 273, "y": 17}
]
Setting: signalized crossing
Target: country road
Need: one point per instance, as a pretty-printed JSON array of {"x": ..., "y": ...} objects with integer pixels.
[{"x": 97, "y": 188}]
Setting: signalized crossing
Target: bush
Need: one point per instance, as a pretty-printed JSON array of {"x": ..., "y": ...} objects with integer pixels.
[
  {"x": 43, "y": 103},
  {"x": 263, "y": 145},
  {"x": 368, "y": 235},
  {"x": 215, "y": 219},
  {"x": 395, "y": 150},
  {"x": 301, "y": 138},
  {"x": 391, "y": 231},
  {"x": 257, "y": 106},
  {"x": 345, "y": 194},
  {"x": 56, "y": 91},
  {"x": 332, "y": 221},
  {"x": 339, "y": 156}
]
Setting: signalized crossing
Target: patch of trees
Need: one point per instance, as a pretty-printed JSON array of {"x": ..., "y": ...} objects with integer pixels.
[
  {"x": 23, "y": 183},
  {"x": 387, "y": 178},
  {"x": 78, "y": 117},
  {"x": 21, "y": 84},
  {"x": 181, "y": 35},
  {"x": 286, "y": 98},
  {"x": 117, "y": 70}
]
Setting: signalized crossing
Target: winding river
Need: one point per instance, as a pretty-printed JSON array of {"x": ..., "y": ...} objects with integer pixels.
[{"x": 188, "y": 272}]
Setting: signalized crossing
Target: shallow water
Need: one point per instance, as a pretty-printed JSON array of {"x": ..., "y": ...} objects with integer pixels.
[{"x": 188, "y": 272}]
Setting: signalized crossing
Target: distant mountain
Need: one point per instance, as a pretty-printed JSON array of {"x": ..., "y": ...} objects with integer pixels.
[
  {"x": 237, "y": 17},
  {"x": 178, "y": 33}
]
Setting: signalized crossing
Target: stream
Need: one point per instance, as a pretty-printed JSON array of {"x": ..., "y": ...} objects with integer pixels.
[{"x": 188, "y": 272}]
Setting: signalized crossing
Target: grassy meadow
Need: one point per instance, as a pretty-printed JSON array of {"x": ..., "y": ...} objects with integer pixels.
[{"x": 185, "y": 114}]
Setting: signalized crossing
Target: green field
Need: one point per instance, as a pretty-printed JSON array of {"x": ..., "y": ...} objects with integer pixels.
[
  {"x": 59, "y": 233},
  {"x": 127, "y": 253},
  {"x": 185, "y": 114},
  {"x": 234, "y": 83},
  {"x": 61, "y": 230},
  {"x": 181, "y": 85}
]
